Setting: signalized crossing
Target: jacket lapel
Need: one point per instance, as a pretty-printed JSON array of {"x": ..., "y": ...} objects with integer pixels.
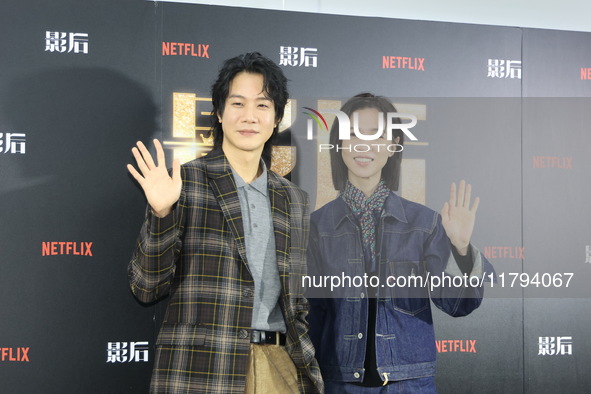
[
  {"x": 224, "y": 189},
  {"x": 281, "y": 226}
]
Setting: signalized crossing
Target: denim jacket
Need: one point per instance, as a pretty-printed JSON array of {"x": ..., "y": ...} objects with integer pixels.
[{"x": 410, "y": 241}]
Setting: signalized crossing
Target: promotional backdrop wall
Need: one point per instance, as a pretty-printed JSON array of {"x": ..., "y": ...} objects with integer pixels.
[{"x": 504, "y": 108}]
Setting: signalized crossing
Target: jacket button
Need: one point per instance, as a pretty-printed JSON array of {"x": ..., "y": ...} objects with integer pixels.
[
  {"x": 242, "y": 334},
  {"x": 248, "y": 293},
  {"x": 362, "y": 295},
  {"x": 360, "y": 335},
  {"x": 356, "y": 375}
]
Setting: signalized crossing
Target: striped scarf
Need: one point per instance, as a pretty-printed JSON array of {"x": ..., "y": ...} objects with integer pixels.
[{"x": 363, "y": 208}]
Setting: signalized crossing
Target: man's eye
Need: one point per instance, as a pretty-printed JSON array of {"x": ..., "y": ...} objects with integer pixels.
[{"x": 264, "y": 105}]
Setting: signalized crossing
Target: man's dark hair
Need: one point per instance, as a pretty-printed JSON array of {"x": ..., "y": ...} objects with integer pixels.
[
  {"x": 274, "y": 86},
  {"x": 391, "y": 171}
]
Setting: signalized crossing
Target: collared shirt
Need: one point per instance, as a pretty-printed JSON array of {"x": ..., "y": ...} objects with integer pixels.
[{"x": 260, "y": 251}]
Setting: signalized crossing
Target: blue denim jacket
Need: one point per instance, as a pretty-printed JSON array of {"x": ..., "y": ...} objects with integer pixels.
[{"x": 410, "y": 241}]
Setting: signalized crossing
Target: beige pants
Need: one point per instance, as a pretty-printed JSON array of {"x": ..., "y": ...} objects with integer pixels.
[{"x": 270, "y": 370}]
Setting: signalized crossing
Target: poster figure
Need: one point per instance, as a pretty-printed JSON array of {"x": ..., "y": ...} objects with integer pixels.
[
  {"x": 378, "y": 337},
  {"x": 223, "y": 236}
]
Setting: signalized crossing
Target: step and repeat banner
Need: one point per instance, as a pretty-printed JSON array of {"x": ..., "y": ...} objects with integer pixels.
[{"x": 507, "y": 109}]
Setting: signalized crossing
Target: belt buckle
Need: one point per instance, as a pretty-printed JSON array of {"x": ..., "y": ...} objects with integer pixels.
[
  {"x": 265, "y": 337},
  {"x": 255, "y": 336}
]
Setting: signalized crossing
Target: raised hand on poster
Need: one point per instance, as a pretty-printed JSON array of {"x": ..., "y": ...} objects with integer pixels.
[
  {"x": 162, "y": 191},
  {"x": 458, "y": 217}
]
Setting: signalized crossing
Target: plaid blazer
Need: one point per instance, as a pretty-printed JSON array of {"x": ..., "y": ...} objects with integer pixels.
[{"x": 197, "y": 255}]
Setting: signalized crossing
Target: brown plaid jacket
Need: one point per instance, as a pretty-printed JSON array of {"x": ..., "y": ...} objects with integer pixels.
[{"x": 198, "y": 256}]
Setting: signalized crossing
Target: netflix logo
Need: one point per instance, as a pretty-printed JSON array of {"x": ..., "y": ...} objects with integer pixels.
[
  {"x": 185, "y": 49},
  {"x": 504, "y": 252},
  {"x": 456, "y": 346},
  {"x": 18, "y": 354},
  {"x": 66, "y": 248},
  {"x": 565, "y": 163},
  {"x": 409, "y": 63}
]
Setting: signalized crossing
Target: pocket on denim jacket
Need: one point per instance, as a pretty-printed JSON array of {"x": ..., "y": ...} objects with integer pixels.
[{"x": 405, "y": 286}]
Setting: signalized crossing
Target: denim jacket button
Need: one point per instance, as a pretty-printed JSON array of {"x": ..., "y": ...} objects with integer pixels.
[
  {"x": 362, "y": 295},
  {"x": 360, "y": 335},
  {"x": 356, "y": 375}
]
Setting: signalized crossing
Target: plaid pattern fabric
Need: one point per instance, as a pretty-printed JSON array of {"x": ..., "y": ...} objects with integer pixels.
[{"x": 198, "y": 256}]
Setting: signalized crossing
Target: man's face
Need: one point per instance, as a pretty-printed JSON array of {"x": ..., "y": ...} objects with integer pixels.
[{"x": 249, "y": 115}]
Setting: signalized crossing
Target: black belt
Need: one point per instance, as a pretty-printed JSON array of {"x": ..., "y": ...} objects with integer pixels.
[{"x": 267, "y": 337}]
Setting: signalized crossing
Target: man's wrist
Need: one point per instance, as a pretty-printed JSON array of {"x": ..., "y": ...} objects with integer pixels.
[{"x": 162, "y": 213}]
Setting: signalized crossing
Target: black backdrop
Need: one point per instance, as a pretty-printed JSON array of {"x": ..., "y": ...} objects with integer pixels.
[{"x": 505, "y": 108}]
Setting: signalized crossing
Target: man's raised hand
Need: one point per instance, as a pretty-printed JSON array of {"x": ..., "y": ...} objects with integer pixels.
[{"x": 162, "y": 191}]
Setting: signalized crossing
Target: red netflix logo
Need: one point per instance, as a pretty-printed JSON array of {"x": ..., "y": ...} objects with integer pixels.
[
  {"x": 504, "y": 252},
  {"x": 19, "y": 354},
  {"x": 585, "y": 74},
  {"x": 456, "y": 345},
  {"x": 66, "y": 248},
  {"x": 410, "y": 63},
  {"x": 553, "y": 162},
  {"x": 185, "y": 49}
]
